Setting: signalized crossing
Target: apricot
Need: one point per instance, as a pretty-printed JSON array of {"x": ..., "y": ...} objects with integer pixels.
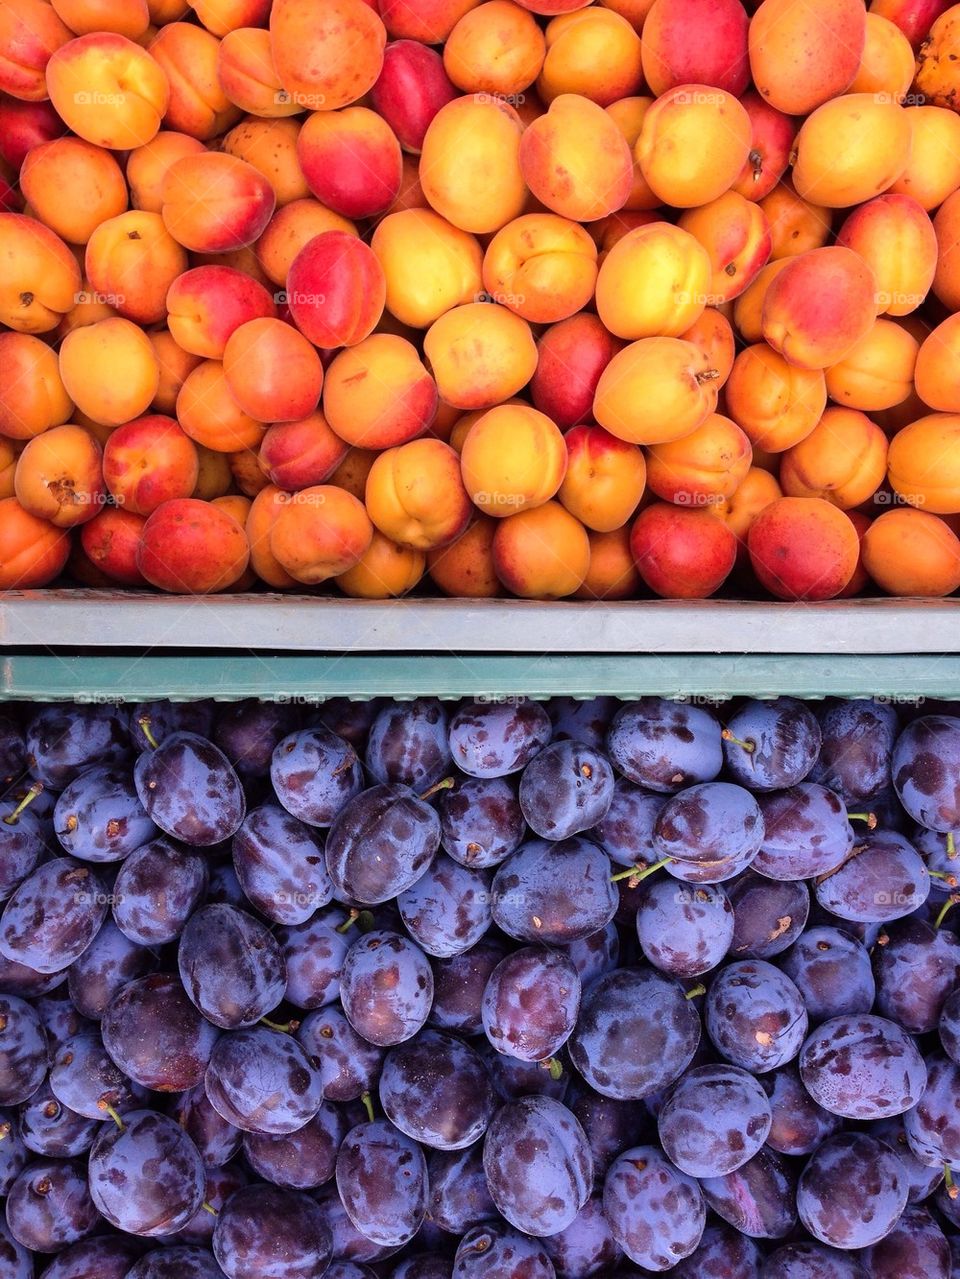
[
  {"x": 59, "y": 476},
  {"x": 31, "y": 31},
  {"x": 878, "y": 373},
  {"x": 411, "y": 194},
  {"x": 429, "y": 265},
  {"x": 946, "y": 225},
  {"x": 336, "y": 290},
  {"x": 713, "y": 335},
  {"x": 887, "y": 65},
  {"x": 108, "y": 90},
  {"x": 264, "y": 509},
  {"x": 271, "y": 147},
  {"x": 734, "y": 232},
  {"x": 207, "y": 304},
  {"x": 411, "y": 88},
  {"x": 291, "y": 227},
  {"x": 703, "y": 468},
  {"x": 542, "y": 267},
  {"x": 384, "y": 571},
  {"x": 937, "y": 370},
  {"x": 89, "y": 307},
  {"x": 215, "y": 478},
  {"x": 164, "y": 11},
  {"x": 189, "y": 56},
  {"x": 803, "y": 548},
  {"x": 696, "y": 42},
  {"x": 73, "y": 186},
  {"x": 635, "y": 11},
  {"x": 756, "y": 491},
  {"x": 351, "y": 161},
  {"x": 542, "y": 553},
  {"x": 25, "y": 125},
  {"x": 246, "y": 471},
  {"x": 804, "y": 52},
  {"x": 604, "y": 480},
  {"x": 109, "y": 370},
  {"x": 464, "y": 567},
  {"x": 9, "y": 453},
  {"x": 247, "y": 76},
  {"x": 320, "y": 533},
  {"x": 843, "y": 459},
  {"x": 576, "y": 161},
  {"x": 32, "y": 551},
  {"x": 923, "y": 464},
  {"x": 175, "y": 366},
  {"x": 480, "y": 354},
  {"x": 495, "y": 48},
  {"x": 895, "y": 237},
  {"x": 612, "y": 574},
  {"x": 627, "y": 114},
  {"x": 296, "y": 455},
  {"x": 415, "y": 495},
  {"x": 132, "y": 261},
  {"x": 571, "y": 355},
  {"x": 937, "y": 78},
  {"x": 192, "y": 548},
  {"x": 352, "y": 472},
  {"x": 223, "y": 16},
  {"x": 328, "y": 53},
  {"x": 272, "y": 371},
  {"x": 912, "y": 553},
  {"x": 469, "y": 165},
  {"x": 39, "y": 276},
  {"x": 777, "y": 404},
  {"x": 796, "y": 226},
  {"x": 819, "y": 306},
  {"x": 215, "y": 202},
  {"x": 933, "y": 170},
  {"x": 32, "y": 395},
  {"x": 211, "y": 416},
  {"x": 126, "y": 17},
  {"x": 147, "y": 167},
  {"x": 913, "y": 17},
  {"x": 682, "y": 552},
  {"x": 851, "y": 149},
  {"x": 110, "y": 542},
  {"x": 656, "y": 390},
  {"x": 148, "y": 461},
  {"x": 771, "y": 143},
  {"x": 377, "y": 394},
  {"x": 693, "y": 144},
  {"x": 513, "y": 458},
  {"x": 655, "y": 281},
  {"x": 593, "y": 52}
]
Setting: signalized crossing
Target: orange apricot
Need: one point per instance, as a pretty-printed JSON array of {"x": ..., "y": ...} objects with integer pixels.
[
  {"x": 542, "y": 553},
  {"x": 378, "y": 394},
  {"x": 470, "y": 168},
  {"x": 480, "y": 354},
  {"x": 132, "y": 260},
  {"x": 211, "y": 416},
  {"x": 465, "y": 566},
  {"x": 796, "y": 226},
  {"x": 913, "y": 553},
  {"x": 290, "y": 228},
  {"x": 59, "y": 476},
  {"x": 604, "y": 480},
  {"x": 415, "y": 495},
  {"x": 656, "y": 390},
  {"x": 108, "y": 90},
  {"x": 513, "y": 458},
  {"x": 693, "y": 144},
  {"x": 803, "y": 548},
  {"x": 703, "y": 468},
  {"x": 39, "y": 276},
  {"x": 736, "y": 237},
  {"x": 495, "y": 48},
  {"x": 777, "y": 404},
  {"x": 191, "y": 547},
  {"x": 32, "y": 551},
  {"x": 576, "y": 161},
  {"x": 655, "y": 281},
  {"x": 542, "y": 267},
  {"x": 32, "y": 395},
  {"x": 272, "y": 371},
  {"x": 879, "y": 372},
  {"x": 593, "y": 52},
  {"x": 843, "y": 459},
  {"x": 327, "y": 53},
  {"x": 429, "y": 265},
  {"x": 320, "y": 533},
  {"x": 109, "y": 370},
  {"x": 804, "y": 52},
  {"x": 73, "y": 186},
  {"x": 612, "y": 574},
  {"x": 933, "y": 170},
  {"x": 385, "y": 570},
  {"x": 923, "y": 464},
  {"x": 851, "y": 149}
]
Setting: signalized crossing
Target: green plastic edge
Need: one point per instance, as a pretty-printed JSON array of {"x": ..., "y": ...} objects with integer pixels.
[{"x": 307, "y": 678}]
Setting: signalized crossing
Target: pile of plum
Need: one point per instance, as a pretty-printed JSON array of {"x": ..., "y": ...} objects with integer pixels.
[{"x": 503, "y": 989}]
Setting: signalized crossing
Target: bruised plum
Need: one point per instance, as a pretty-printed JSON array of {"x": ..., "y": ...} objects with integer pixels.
[
  {"x": 494, "y": 739},
  {"x": 557, "y": 893},
  {"x": 862, "y": 1067},
  {"x": 382, "y": 1180},
  {"x": 190, "y": 790},
  {"x": 381, "y": 842},
  {"x": 771, "y": 745},
  {"x": 566, "y": 789},
  {"x": 409, "y": 743},
  {"x": 665, "y": 745},
  {"x": 262, "y": 1080},
  {"x": 481, "y": 821},
  {"x": 926, "y": 771},
  {"x": 231, "y": 966},
  {"x": 314, "y": 773}
]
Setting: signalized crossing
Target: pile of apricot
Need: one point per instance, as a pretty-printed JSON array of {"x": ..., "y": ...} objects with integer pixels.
[{"x": 508, "y": 296}]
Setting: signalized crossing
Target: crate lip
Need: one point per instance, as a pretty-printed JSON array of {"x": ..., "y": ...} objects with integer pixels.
[
  {"x": 710, "y": 679},
  {"x": 75, "y": 619}
]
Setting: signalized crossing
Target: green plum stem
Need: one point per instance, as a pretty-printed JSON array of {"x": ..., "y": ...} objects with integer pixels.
[
  {"x": 105, "y": 1106},
  {"x": 869, "y": 818},
  {"x": 447, "y": 784},
  {"x": 144, "y": 722},
  {"x": 349, "y": 922},
  {"x": 555, "y": 1067},
  {"x": 945, "y": 909},
  {"x": 696, "y": 991},
  {"x": 368, "y": 1105},
  {"x": 637, "y": 874},
  {"x": 748, "y": 745},
  {"x": 951, "y": 845},
  {"x": 286, "y": 1028},
  {"x": 210, "y": 1209}
]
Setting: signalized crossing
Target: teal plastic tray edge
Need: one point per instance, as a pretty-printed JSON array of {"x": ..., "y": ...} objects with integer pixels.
[{"x": 296, "y": 678}]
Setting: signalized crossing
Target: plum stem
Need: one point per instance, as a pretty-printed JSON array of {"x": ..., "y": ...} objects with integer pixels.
[
  {"x": 747, "y": 743},
  {"x": 636, "y": 874},
  {"x": 947, "y": 876},
  {"x": 287, "y": 1028},
  {"x": 349, "y": 922},
  {"x": 368, "y": 1105},
  {"x": 952, "y": 1189},
  {"x": 105, "y": 1106},
  {"x": 35, "y": 789},
  {"x": 210, "y": 1209},
  {"x": 951, "y": 845},
  {"x": 144, "y": 722},
  {"x": 869, "y": 818},
  {"x": 4, "y": 1131},
  {"x": 945, "y": 909},
  {"x": 555, "y": 1067},
  {"x": 696, "y": 991},
  {"x": 447, "y": 784}
]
